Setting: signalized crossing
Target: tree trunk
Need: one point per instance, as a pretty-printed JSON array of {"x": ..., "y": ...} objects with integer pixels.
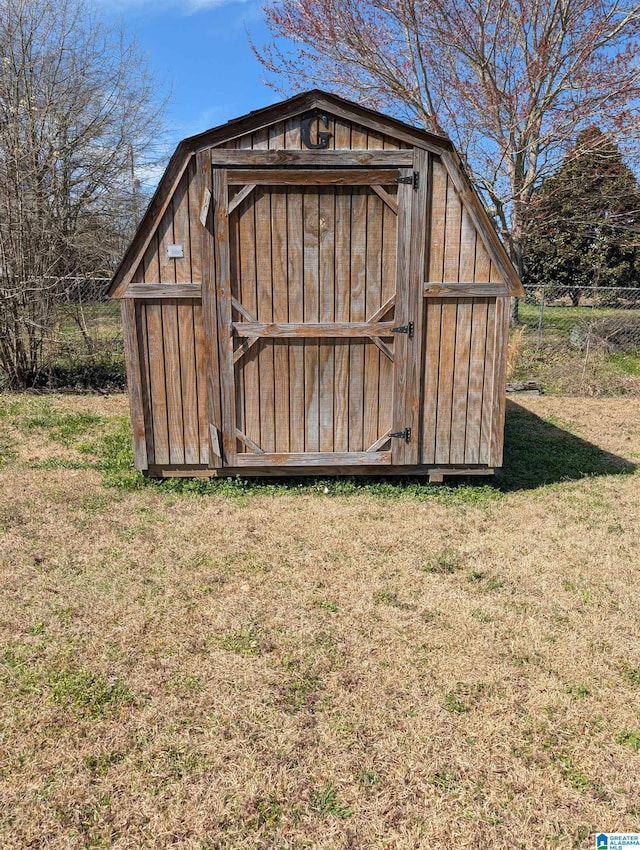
[{"x": 516, "y": 251}]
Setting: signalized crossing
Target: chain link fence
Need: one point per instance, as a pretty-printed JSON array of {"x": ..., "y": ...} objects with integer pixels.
[
  {"x": 84, "y": 348},
  {"x": 582, "y": 340}
]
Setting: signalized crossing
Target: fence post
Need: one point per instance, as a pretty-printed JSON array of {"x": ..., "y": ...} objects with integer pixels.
[{"x": 540, "y": 317}]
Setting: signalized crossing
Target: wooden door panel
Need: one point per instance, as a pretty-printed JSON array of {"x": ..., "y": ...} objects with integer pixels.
[{"x": 311, "y": 309}]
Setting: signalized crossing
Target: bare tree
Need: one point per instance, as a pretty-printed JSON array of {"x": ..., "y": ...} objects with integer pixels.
[
  {"x": 76, "y": 104},
  {"x": 511, "y": 81}
]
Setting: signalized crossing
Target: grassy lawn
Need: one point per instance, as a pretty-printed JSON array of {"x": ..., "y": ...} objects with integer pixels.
[{"x": 332, "y": 664}]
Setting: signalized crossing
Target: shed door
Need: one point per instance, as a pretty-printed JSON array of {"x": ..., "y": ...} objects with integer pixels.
[{"x": 314, "y": 284}]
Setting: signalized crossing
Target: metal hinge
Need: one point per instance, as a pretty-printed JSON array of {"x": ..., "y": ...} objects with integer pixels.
[
  {"x": 404, "y": 329},
  {"x": 403, "y": 435},
  {"x": 411, "y": 180}
]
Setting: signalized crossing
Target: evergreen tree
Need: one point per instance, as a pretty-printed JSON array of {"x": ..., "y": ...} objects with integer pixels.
[{"x": 583, "y": 223}]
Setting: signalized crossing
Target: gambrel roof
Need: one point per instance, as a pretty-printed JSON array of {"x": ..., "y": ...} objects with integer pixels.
[{"x": 287, "y": 109}]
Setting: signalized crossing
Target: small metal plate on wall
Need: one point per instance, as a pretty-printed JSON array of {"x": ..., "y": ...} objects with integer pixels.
[{"x": 175, "y": 252}]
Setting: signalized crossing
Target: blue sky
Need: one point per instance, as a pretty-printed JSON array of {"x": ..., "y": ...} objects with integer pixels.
[{"x": 199, "y": 49}]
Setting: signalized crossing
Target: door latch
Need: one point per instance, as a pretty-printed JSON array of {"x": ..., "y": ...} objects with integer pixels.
[
  {"x": 404, "y": 329},
  {"x": 403, "y": 435}
]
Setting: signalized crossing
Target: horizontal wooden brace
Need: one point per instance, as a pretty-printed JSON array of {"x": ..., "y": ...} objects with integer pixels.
[
  {"x": 325, "y": 158},
  {"x": 312, "y": 177},
  {"x": 312, "y": 330},
  {"x": 314, "y": 459},
  {"x": 463, "y": 289},
  {"x": 164, "y": 290}
]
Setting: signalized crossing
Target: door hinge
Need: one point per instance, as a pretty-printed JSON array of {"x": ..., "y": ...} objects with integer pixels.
[
  {"x": 411, "y": 180},
  {"x": 404, "y": 329},
  {"x": 403, "y": 435}
]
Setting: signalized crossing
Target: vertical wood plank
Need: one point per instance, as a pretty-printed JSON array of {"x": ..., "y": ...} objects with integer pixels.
[
  {"x": 195, "y": 226},
  {"x": 223, "y": 299},
  {"x": 248, "y": 368},
  {"x": 145, "y": 369},
  {"x": 210, "y": 311},
  {"x": 482, "y": 271},
  {"x": 277, "y": 135},
  {"x": 151, "y": 265},
  {"x": 452, "y": 234},
  {"x": 181, "y": 229},
  {"x": 264, "y": 297},
  {"x": 264, "y": 302},
  {"x": 476, "y": 380},
  {"x": 461, "y": 380},
  {"x": 500, "y": 377},
  {"x": 342, "y": 303},
  {"x": 201, "y": 382},
  {"x": 279, "y": 270},
  {"x": 279, "y": 267},
  {"x": 165, "y": 238},
  {"x": 326, "y": 232},
  {"x": 342, "y": 298},
  {"x": 295, "y": 237},
  {"x": 487, "y": 389},
  {"x": 292, "y": 139},
  {"x": 467, "y": 248},
  {"x": 310, "y": 216},
  {"x": 499, "y": 373},
  {"x": 431, "y": 373},
  {"x": 358, "y": 301},
  {"x": 357, "y": 314},
  {"x": 235, "y": 259},
  {"x": 445, "y": 380},
  {"x": 157, "y": 383},
  {"x": 172, "y": 379},
  {"x": 188, "y": 380},
  {"x": 438, "y": 220},
  {"x": 134, "y": 381},
  {"x": 342, "y": 134}
]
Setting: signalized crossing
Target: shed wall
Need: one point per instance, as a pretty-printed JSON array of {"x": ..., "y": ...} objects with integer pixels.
[
  {"x": 173, "y": 380},
  {"x": 464, "y": 374}
]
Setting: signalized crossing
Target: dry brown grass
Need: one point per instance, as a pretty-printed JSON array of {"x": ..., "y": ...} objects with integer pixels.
[{"x": 296, "y": 670}]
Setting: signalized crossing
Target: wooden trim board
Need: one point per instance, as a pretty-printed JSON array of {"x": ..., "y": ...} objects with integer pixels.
[
  {"x": 224, "y": 158},
  {"x": 163, "y": 471},
  {"x": 163, "y": 290}
]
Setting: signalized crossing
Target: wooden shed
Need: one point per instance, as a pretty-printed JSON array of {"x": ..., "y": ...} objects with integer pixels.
[{"x": 316, "y": 287}]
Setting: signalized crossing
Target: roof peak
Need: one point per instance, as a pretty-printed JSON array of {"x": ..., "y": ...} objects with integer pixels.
[{"x": 302, "y": 101}]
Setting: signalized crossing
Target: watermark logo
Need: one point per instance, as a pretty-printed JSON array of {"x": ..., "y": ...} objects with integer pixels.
[{"x": 617, "y": 840}]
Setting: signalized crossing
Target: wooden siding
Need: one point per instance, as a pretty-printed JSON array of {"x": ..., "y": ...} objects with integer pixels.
[
  {"x": 464, "y": 380},
  {"x": 178, "y": 226},
  {"x": 456, "y": 251},
  {"x": 173, "y": 383}
]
